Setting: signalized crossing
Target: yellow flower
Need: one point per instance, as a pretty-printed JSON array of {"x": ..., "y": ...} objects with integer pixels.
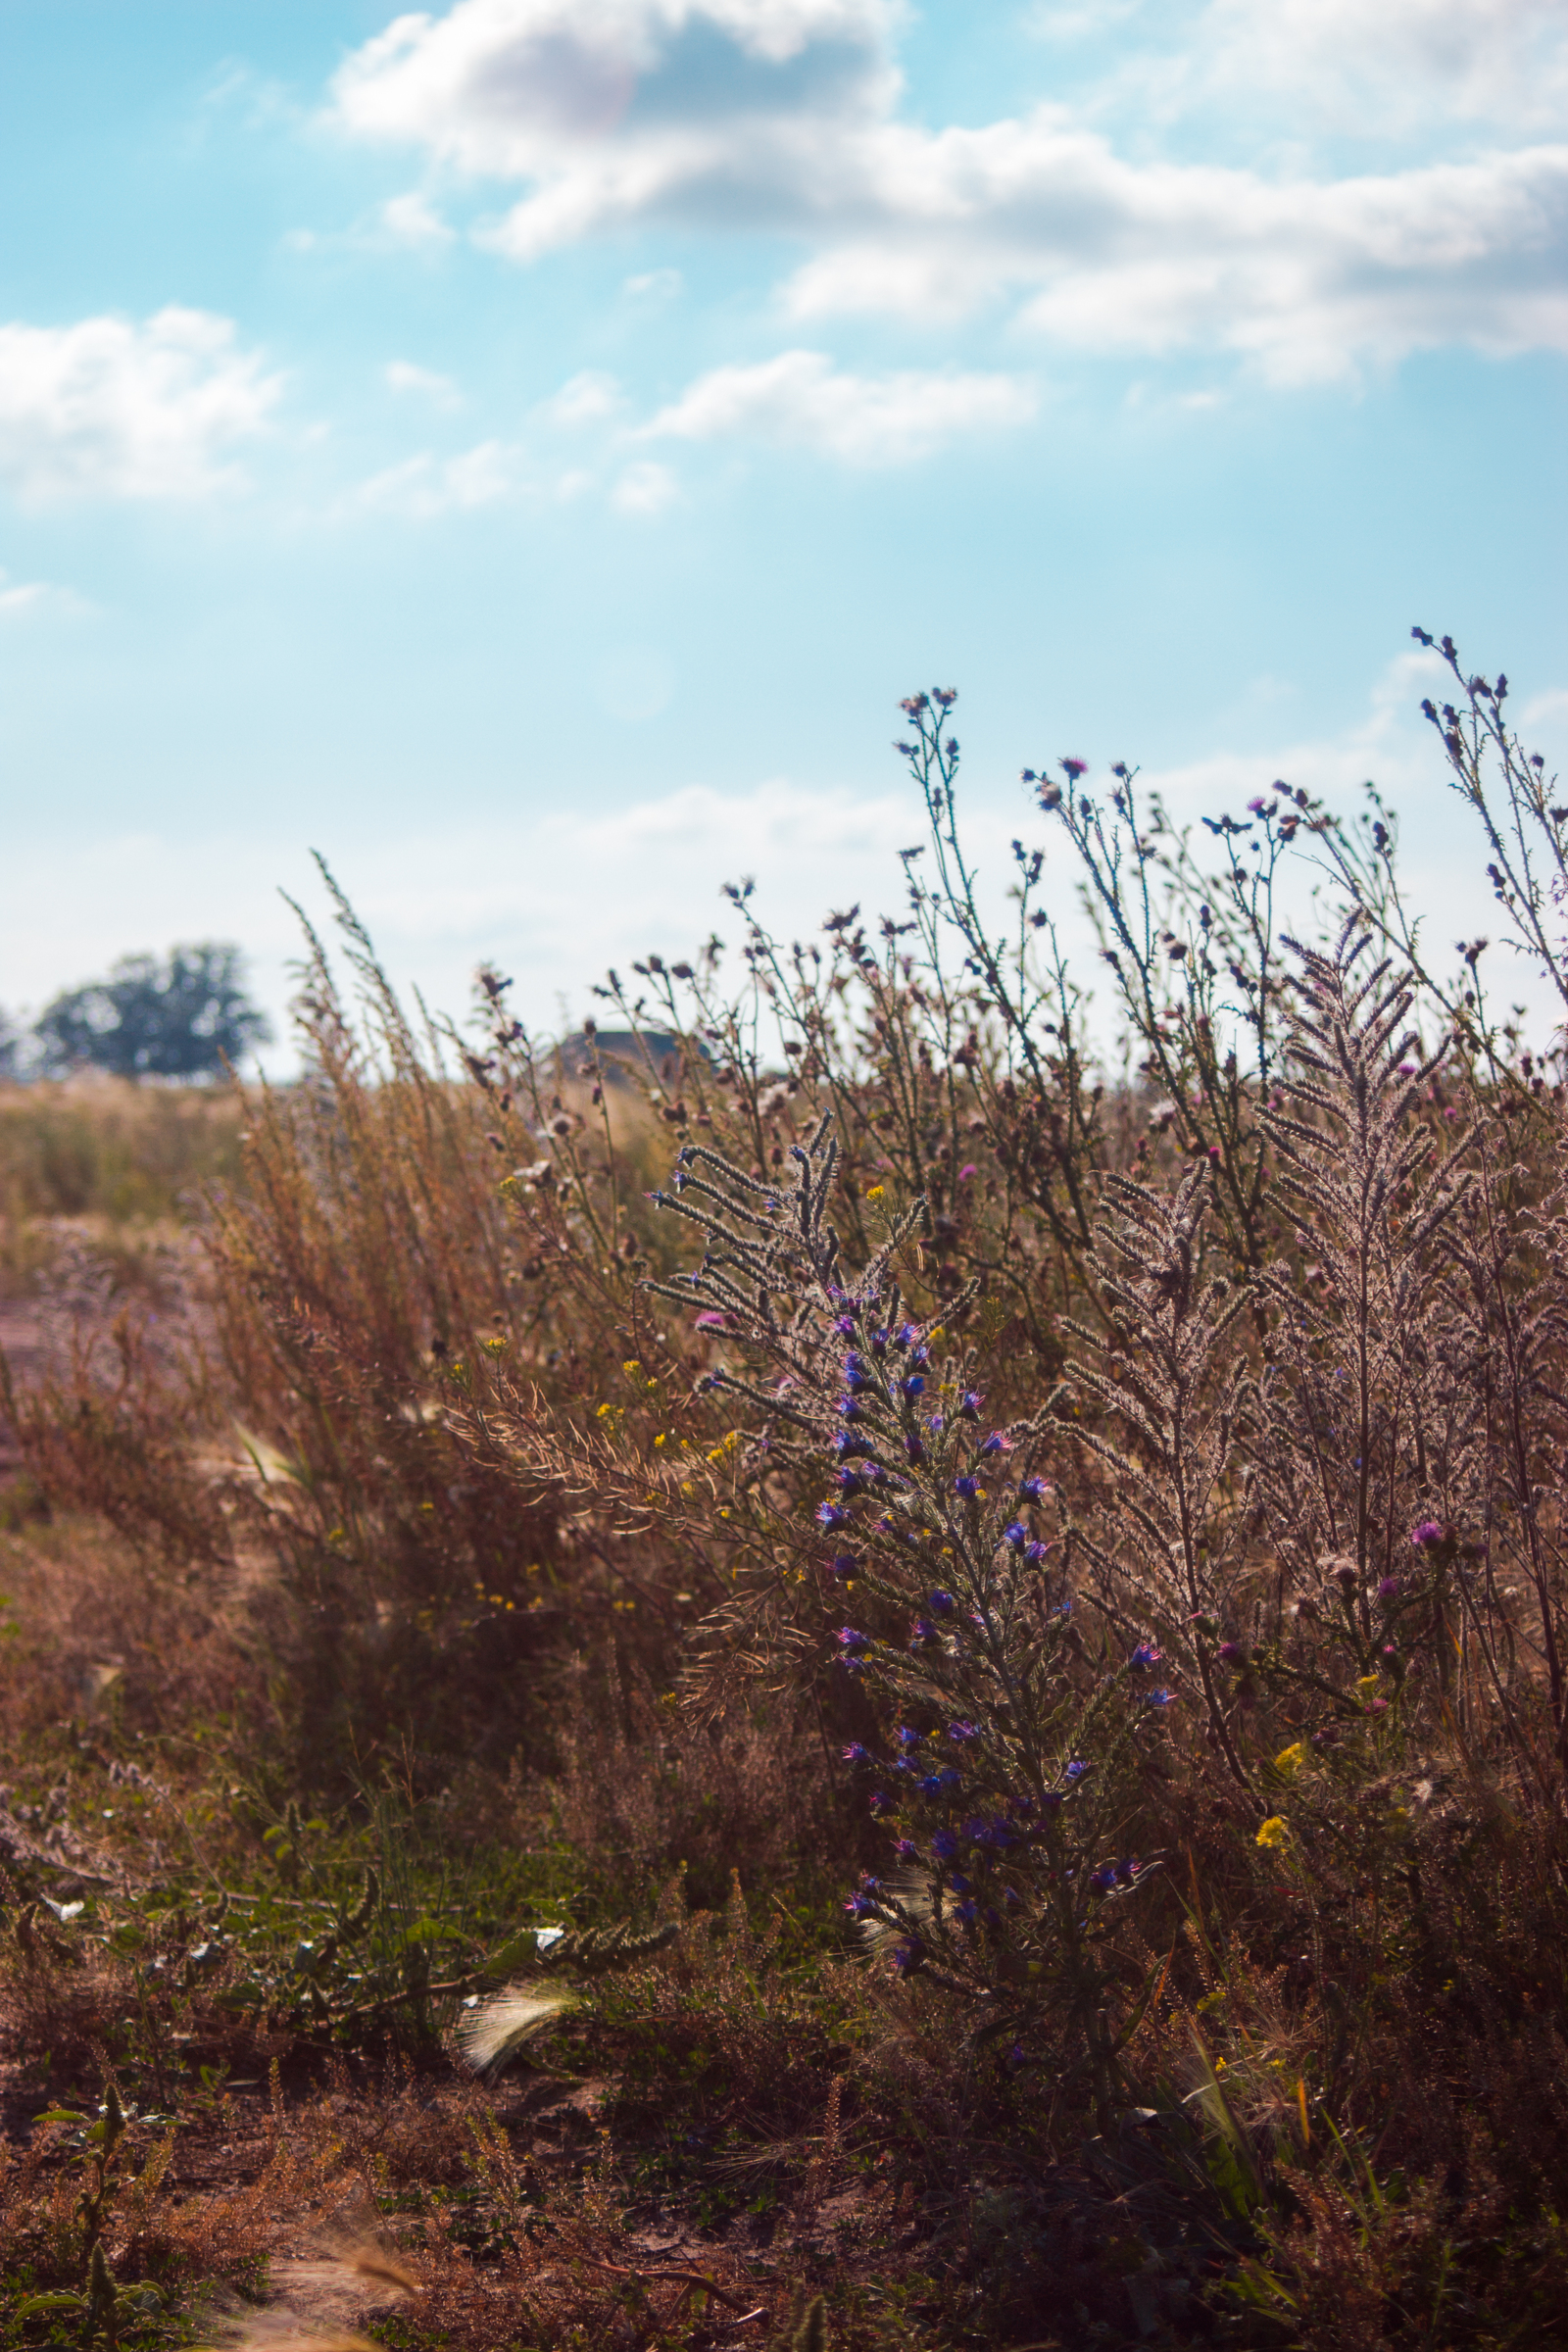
[
  {"x": 1291, "y": 1760},
  {"x": 1274, "y": 1831},
  {"x": 874, "y": 1192}
]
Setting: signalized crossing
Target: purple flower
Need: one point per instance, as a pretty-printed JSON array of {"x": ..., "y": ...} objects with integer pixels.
[
  {"x": 913, "y": 1446},
  {"x": 1144, "y": 1656},
  {"x": 1429, "y": 1532},
  {"x": 948, "y": 1779},
  {"x": 845, "y": 1564},
  {"x": 859, "y": 1907},
  {"x": 936, "y": 1425},
  {"x": 856, "y": 1753},
  {"x": 854, "y": 1374},
  {"x": 969, "y": 1404},
  {"x": 907, "y": 1335},
  {"x": 920, "y": 1632},
  {"x": 968, "y": 1487},
  {"x": 962, "y": 1734},
  {"x": 844, "y": 1326},
  {"x": 879, "y": 1341},
  {"x": 967, "y": 1172},
  {"x": 907, "y": 1736},
  {"x": 944, "y": 1845},
  {"x": 881, "y": 1802},
  {"x": 914, "y": 1387},
  {"x": 1030, "y": 1489},
  {"x": 1077, "y": 1768},
  {"x": 968, "y": 1911},
  {"x": 1100, "y": 1881},
  {"x": 1160, "y": 1698},
  {"x": 847, "y": 1445},
  {"x": 957, "y": 1882},
  {"x": 1229, "y": 1653},
  {"x": 710, "y": 1319},
  {"x": 849, "y": 1639},
  {"x": 995, "y": 1444},
  {"x": 906, "y": 1850},
  {"x": 941, "y": 1604},
  {"x": 829, "y": 1515},
  {"x": 849, "y": 1482},
  {"x": 1036, "y": 1553},
  {"x": 1073, "y": 768},
  {"x": 1388, "y": 1589},
  {"x": 849, "y": 1410},
  {"x": 1015, "y": 1534},
  {"x": 908, "y": 1958},
  {"x": 931, "y": 1786}
]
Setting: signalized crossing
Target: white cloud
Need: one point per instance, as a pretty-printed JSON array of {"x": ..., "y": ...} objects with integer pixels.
[
  {"x": 112, "y": 409},
  {"x": 413, "y": 220},
  {"x": 778, "y": 116},
  {"x": 801, "y": 398},
  {"x": 586, "y": 399},
  {"x": 21, "y": 595},
  {"x": 404, "y": 376},
  {"x": 645, "y": 489},
  {"x": 426, "y": 485}
]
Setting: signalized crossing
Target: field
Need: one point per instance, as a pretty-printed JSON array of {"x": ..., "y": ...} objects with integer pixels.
[{"x": 853, "y": 1684}]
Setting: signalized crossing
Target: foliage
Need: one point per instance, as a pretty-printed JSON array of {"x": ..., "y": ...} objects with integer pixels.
[
  {"x": 182, "y": 1016},
  {"x": 847, "y": 1435}
]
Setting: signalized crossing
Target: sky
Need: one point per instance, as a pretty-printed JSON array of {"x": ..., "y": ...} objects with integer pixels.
[{"x": 523, "y": 450}]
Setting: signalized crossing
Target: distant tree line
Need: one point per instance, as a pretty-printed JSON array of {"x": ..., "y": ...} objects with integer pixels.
[{"x": 179, "y": 1017}]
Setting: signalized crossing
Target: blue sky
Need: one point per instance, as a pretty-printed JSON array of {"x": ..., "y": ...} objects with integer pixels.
[{"x": 525, "y": 450}]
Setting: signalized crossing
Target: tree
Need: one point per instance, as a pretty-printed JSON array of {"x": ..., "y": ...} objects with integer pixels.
[{"x": 179, "y": 1019}]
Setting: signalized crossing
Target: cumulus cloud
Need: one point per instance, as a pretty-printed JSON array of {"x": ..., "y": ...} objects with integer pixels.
[
  {"x": 426, "y": 485},
  {"x": 413, "y": 220},
  {"x": 801, "y": 398},
  {"x": 426, "y": 383},
  {"x": 110, "y": 408},
  {"x": 780, "y": 115},
  {"x": 645, "y": 489}
]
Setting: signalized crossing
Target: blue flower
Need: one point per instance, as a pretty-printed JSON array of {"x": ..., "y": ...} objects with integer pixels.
[
  {"x": 1030, "y": 1489},
  {"x": 845, "y": 1564},
  {"x": 849, "y": 1639},
  {"x": 993, "y": 1444},
  {"x": 1160, "y": 1698},
  {"x": 944, "y": 1845},
  {"x": 921, "y": 1632},
  {"x": 963, "y": 1733},
  {"x": 1035, "y": 1553},
  {"x": 936, "y": 1425},
  {"x": 881, "y": 1802},
  {"x": 844, "y": 1326},
  {"x": 908, "y": 1958},
  {"x": 959, "y": 1883},
  {"x": 1075, "y": 1770},
  {"x": 849, "y": 1410},
  {"x": 879, "y": 1343},
  {"x": 907, "y": 1335},
  {"x": 914, "y": 1387},
  {"x": 849, "y": 1482},
  {"x": 906, "y": 1850},
  {"x": 908, "y": 1737},
  {"x": 968, "y": 1911},
  {"x": 859, "y": 1907},
  {"x": 932, "y": 1784},
  {"x": 941, "y": 1604},
  {"x": 948, "y": 1777},
  {"x": 829, "y": 1515},
  {"x": 968, "y": 1487},
  {"x": 1144, "y": 1656},
  {"x": 856, "y": 1753},
  {"x": 1015, "y": 1534},
  {"x": 969, "y": 1404}
]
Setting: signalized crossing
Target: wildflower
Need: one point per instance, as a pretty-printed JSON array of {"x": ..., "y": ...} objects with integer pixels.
[
  {"x": 968, "y": 1911},
  {"x": 879, "y": 1341},
  {"x": 967, "y": 1487},
  {"x": 1032, "y": 1489},
  {"x": 1388, "y": 1587},
  {"x": 845, "y": 1564},
  {"x": 859, "y": 1906},
  {"x": 1101, "y": 1881},
  {"x": 914, "y": 1387},
  {"x": 931, "y": 1786},
  {"x": 1231, "y": 1654},
  {"x": 969, "y": 1403},
  {"x": 957, "y": 1882},
  {"x": 967, "y": 1172},
  {"x": 914, "y": 1446},
  {"x": 921, "y": 1632},
  {"x": 907, "y": 1335},
  {"x": 849, "y": 1410},
  {"x": 944, "y": 1845},
  {"x": 1274, "y": 1831},
  {"x": 1077, "y": 1768},
  {"x": 908, "y": 1958},
  {"x": 856, "y": 1378},
  {"x": 830, "y": 1516},
  {"x": 1015, "y": 1534},
  {"x": 1073, "y": 768},
  {"x": 849, "y": 1639},
  {"x": 856, "y": 1753},
  {"x": 1160, "y": 1698},
  {"x": 948, "y": 1779},
  {"x": 881, "y": 1802},
  {"x": 1144, "y": 1656},
  {"x": 1036, "y": 1553},
  {"x": 941, "y": 1604},
  {"x": 1427, "y": 1533},
  {"x": 906, "y": 1850},
  {"x": 908, "y": 1737},
  {"x": 711, "y": 1320},
  {"x": 1291, "y": 1760},
  {"x": 995, "y": 1444},
  {"x": 844, "y": 1326},
  {"x": 962, "y": 1734},
  {"x": 851, "y": 1482}
]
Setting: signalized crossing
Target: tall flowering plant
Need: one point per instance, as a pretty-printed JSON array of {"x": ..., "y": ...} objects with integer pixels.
[{"x": 1009, "y": 1755}]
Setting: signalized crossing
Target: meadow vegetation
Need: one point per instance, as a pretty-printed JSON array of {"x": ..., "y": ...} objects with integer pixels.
[{"x": 847, "y": 1671}]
